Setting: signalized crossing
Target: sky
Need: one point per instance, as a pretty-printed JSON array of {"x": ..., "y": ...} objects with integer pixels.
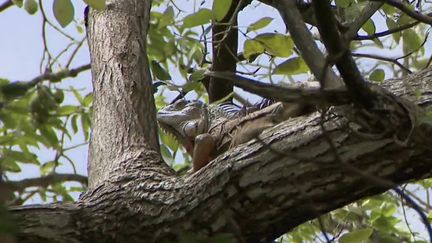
[{"x": 21, "y": 48}]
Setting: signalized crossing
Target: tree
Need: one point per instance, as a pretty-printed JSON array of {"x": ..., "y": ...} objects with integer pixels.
[{"x": 363, "y": 139}]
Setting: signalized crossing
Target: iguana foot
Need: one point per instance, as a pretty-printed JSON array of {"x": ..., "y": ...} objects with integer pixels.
[{"x": 203, "y": 152}]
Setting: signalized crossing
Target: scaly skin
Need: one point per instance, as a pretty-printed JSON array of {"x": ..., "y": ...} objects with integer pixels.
[{"x": 208, "y": 131}]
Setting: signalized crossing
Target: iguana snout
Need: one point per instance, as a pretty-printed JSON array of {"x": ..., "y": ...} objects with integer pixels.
[{"x": 185, "y": 120}]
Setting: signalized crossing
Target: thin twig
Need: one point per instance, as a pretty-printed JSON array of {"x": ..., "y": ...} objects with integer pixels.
[
  {"x": 5, "y": 5},
  {"x": 408, "y": 11},
  {"x": 387, "y": 59}
]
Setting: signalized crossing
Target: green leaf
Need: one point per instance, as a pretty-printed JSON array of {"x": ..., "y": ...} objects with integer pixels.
[
  {"x": 167, "y": 156},
  {"x": 77, "y": 95},
  {"x": 14, "y": 90},
  {"x": 377, "y": 75},
  {"x": 19, "y": 3},
  {"x": 61, "y": 190},
  {"x": 251, "y": 49},
  {"x": 96, "y": 4},
  {"x": 342, "y": 3},
  {"x": 369, "y": 27},
  {"x": 21, "y": 156},
  {"x": 30, "y": 6},
  {"x": 67, "y": 110},
  {"x": 10, "y": 165},
  {"x": 275, "y": 44},
  {"x": 220, "y": 9},
  {"x": 85, "y": 123},
  {"x": 292, "y": 66},
  {"x": 197, "y": 75},
  {"x": 356, "y": 236},
  {"x": 74, "y": 123},
  {"x": 159, "y": 72},
  {"x": 393, "y": 25},
  {"x": 203, "y": 16},
  {"x": 63, "y": 11},
  {"x": 48, "y": 167},
  {"x": 411, "y": 41},
  {"x": 167, "y": 17},
  {"x": 50, "y": 136},
  {"x": 259, "y": 24},
  {"x": 88, "y": 100},
  {"x": 6, "y": 138}
]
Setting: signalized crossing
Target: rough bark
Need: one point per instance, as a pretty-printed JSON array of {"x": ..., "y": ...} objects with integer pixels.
[
  {"x": 224, "y": 44},
  {"x": 124, "y": 119},
  {"x": 256, "y": 191}
]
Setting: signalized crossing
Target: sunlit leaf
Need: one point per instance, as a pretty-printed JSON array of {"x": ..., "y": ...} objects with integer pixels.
[
  {"x": 259, "y": 24},
  {"x": 96, "y": 4},
  {"x": 74, "y": 123},
  {"x": 30, "y": 6},
  {"x": 276, "y": 44},
  {"x": 21, "y": 156},
  {"x": 9, "y": 164},
  {"x": 356, "y": 236},
  {"x": 252, "y": 48},
  {"x": 49, "y": 134},
  {"x": 167, "y": 17},
  {"x": 369, "y": 27},
  {"x": 159, "y": 72},
  {"x": 67, "y": 110},
  {"x": 411, "y": 41},
  {"x": 88, "y": 100},
  {"x": 197, "y": 75},
  {"x": 63, "y": 11},
  {"x": 377, "y": 75},
  {"x": 19, "y": 3},
  {"x": 393, "y": 25},
  {"x": 220, "y": 8},
  {"x": 203, "y": 16},
  {"x": 292, "y": 66},
  {"x": 48, "y": 167},
  {"x": 342, "y": 3}
]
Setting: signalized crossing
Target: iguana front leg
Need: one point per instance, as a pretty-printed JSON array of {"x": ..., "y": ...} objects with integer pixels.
[{"x": 204, "y": 149}]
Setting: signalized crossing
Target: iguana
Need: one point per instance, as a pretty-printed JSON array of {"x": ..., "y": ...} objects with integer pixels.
[{"x": 207, "y": 131}]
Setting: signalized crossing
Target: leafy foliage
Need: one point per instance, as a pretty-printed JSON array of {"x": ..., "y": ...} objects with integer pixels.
[{"x": 36, "y": 116}]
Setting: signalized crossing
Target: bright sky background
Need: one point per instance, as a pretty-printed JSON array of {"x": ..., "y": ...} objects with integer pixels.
[{"x": 21, "y": 48}]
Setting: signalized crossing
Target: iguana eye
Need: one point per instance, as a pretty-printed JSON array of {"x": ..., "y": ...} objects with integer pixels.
[{"x": 191, "y": 129}]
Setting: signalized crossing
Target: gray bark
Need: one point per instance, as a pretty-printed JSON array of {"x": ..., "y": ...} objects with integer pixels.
[
  {"x": 257, "y": 191},
  {"x": 124, "y": 117}
]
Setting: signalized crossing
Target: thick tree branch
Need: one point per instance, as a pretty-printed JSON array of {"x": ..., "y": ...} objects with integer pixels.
[
  {"x": 287, "y": 176},
  {"x": 340, "y": 54},
  {"x": 408, "y": 11},
  {"x": 19, "y": 88},
  {"x": 359, "y": 21},
  {"x": 45, "y": 181},
  {"x": 313, "y": 96},
  {"x": 224, "y": 50},
  {"x": 5, "y": 5},
  {"x": 305, "y": 43}
]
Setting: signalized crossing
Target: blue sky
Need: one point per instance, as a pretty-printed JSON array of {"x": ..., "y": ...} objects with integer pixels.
[{"x": 21, "y": 48}]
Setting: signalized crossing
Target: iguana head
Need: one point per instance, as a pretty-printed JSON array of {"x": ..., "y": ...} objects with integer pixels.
[{"x": 185, "y": 120}]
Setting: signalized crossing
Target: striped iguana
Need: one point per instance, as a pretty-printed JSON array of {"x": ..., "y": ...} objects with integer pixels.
[{"x": 207, "y": 131}]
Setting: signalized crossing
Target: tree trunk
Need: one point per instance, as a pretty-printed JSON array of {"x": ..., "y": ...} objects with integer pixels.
[
  {"x": 124, "y": 117},
  {"x": 257, "y": 191}
]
